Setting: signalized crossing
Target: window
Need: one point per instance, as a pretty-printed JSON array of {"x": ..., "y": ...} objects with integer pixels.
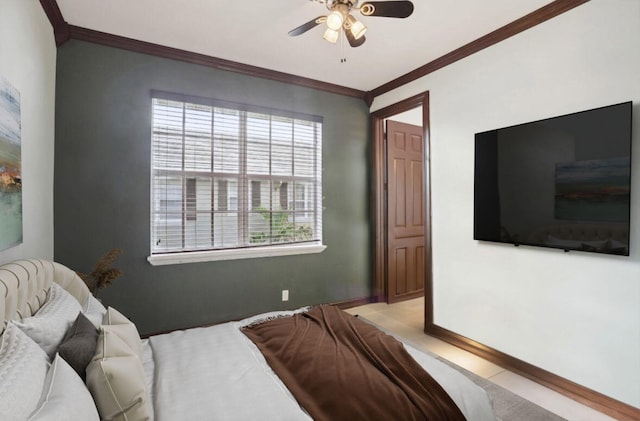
[{"x": 233, "y": 179}]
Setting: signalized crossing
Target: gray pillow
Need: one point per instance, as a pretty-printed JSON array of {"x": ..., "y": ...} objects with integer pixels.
[{"x": 79, "y": 344}]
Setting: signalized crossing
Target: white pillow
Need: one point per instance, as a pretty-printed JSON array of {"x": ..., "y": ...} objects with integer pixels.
[
  {"x": 64, "y": 397},
  {"x": 94, "y": 310},
  {"x": 48, "y": 326},
  {"x": 116, "y": 380},
  {"x": 117, "y": 323},
  {"x": 23, "y": 368}
]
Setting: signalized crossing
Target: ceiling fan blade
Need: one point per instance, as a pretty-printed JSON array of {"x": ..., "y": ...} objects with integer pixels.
[
  {"x": 388, "y": 9},
  {"x": 352, "y": 40},
  {"x": 309, "y": 25}
]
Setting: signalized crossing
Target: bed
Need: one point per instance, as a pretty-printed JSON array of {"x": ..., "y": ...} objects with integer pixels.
[{"x": 64, "y": 356}]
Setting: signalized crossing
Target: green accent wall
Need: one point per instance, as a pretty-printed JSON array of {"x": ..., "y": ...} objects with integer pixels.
[{"x": 102, "y": 191}]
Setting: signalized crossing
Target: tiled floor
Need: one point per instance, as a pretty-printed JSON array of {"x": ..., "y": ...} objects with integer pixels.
[{"x": 406, "y": 319}]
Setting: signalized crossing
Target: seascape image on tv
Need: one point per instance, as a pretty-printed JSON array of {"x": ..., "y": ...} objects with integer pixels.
[
  {"x": 596, "y": 190},
  {"x": 10, "y": 166}
]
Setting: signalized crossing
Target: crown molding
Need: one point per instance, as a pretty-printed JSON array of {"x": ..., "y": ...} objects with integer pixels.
[
  {"x": 64, "y": 32},
  {"x": 96, "y": 37},
  {"x": 60, "y": 26},
  {"x": 534, "y": 18}
]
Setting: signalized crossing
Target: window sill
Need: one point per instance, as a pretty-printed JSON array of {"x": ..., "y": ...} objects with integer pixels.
[{"x": 249, "y": 253}]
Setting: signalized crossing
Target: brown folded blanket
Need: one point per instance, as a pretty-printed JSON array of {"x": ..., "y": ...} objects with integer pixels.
[{"x": 341, "y": 368}]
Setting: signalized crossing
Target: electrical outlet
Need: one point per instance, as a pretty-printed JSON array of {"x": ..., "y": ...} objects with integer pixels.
[{"x": 285, "y": 295}]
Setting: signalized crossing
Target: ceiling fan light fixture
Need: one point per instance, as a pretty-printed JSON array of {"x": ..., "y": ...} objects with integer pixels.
[
  {"x": 339, "y": 18},
  {"x": 331, "y": 35},
  {"x": 356, "y": 28},
  {"x": 335, "y": 20}
]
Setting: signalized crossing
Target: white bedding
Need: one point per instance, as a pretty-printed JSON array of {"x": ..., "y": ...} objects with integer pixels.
[
  {"x": 198, "y": 374},
  {"x": 218, "y": 373},
  {"x": 148, "y": 365}
]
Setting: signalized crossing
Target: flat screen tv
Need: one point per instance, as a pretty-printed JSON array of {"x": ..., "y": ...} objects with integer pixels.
[{"x": 562, "y": 182}]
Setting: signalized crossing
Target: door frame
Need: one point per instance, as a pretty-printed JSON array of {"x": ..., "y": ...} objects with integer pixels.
[{"x": 378, "y": 196}]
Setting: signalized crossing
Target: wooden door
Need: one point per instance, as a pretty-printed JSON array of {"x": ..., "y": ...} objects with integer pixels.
[{"x": 405, "y": 211}]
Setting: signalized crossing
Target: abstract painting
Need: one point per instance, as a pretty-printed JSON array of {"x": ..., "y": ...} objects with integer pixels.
[
  {"x": 596, "y": 190},
  {"x": 10, "y": 166}
]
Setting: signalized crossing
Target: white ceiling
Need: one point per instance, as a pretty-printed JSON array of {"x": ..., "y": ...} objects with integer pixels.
[{"x": 254, "y": 32}]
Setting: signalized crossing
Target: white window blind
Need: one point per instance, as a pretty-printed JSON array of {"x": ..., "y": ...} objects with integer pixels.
[{"x": 233, "y": 176}]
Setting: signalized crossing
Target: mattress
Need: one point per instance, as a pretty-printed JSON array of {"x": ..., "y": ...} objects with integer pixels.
[{"x": 217, "y": 372}]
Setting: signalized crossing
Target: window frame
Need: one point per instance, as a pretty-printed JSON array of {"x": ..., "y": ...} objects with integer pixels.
[{"x": 240, "y": 251}]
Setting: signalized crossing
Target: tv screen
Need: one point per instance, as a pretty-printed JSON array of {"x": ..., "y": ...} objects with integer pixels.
[{"x": 562, "y": 182}]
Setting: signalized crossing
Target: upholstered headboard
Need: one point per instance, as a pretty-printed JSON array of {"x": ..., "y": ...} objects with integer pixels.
[{"x": 24, "y": 285}]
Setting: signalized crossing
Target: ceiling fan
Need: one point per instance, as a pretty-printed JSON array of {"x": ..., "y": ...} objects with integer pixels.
[{"x": 340, "y": 17}]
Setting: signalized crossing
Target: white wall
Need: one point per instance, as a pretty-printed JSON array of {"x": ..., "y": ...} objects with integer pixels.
[
  {"x": 575, "y": 314},
  {"x": 28, "y": 62},
  {"x": 413, "y": 116}
]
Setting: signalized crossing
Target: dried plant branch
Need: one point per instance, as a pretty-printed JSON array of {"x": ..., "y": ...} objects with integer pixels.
[{"x": 102, "y": 274}]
